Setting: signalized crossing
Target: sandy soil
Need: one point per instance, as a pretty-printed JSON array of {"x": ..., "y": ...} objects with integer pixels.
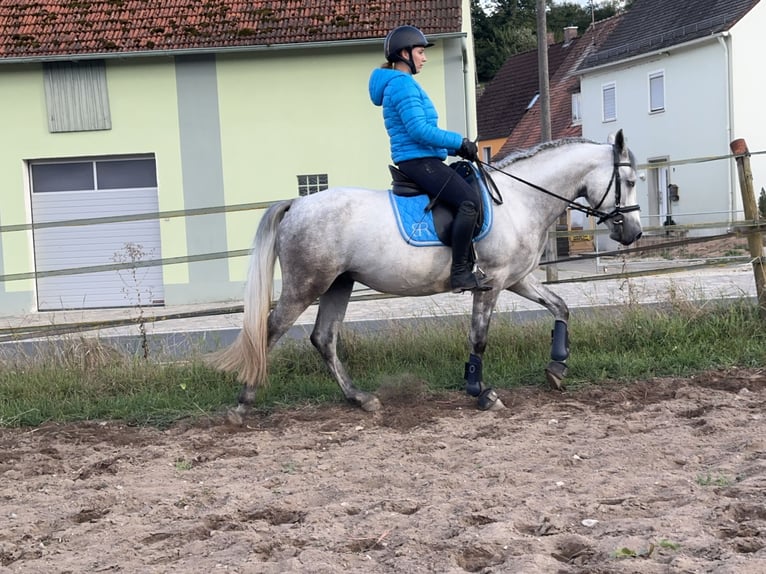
[{"x": 658, "y": 476}]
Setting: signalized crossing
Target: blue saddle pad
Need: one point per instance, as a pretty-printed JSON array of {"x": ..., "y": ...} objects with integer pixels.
[{"x": 417, "y": 225}]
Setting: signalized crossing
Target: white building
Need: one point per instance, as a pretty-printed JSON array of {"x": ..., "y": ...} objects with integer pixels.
[{"x": 683, "y": 80}]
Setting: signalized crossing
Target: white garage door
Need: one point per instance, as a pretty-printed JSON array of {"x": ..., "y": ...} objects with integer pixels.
[{"x": 104, "y": 187}]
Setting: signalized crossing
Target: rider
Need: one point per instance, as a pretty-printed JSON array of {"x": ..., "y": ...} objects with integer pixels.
[{"x": 419, "y": 147}]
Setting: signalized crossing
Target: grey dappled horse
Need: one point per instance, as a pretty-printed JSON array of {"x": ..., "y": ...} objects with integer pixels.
[{"x": 327, "y": 241}]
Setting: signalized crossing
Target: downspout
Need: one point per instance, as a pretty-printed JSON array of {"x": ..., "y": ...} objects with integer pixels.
[
  {"x": 733, "y": 177},
  {"x": 469, "y": 91}
]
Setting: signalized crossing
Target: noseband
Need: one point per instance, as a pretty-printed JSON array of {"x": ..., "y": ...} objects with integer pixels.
[{"x": 616, "y": 215}]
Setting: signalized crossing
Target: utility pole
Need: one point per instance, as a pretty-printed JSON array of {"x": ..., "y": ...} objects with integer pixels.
[
  {"x": 542, "y": 66},
  {"x": 551, "y": 271}
]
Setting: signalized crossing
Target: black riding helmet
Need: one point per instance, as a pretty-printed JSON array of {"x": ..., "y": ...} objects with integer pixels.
[{"x": 404, "y": 38}]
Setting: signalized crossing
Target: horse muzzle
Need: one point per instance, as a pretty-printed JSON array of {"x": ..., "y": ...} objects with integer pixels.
[
  {"x": 624, "y": 238},
  {"x": 625, "y": 231}
]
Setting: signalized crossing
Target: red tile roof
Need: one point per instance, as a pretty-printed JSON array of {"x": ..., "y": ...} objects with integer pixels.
[
  {"x": 40, "y": 28},
  {"x": 565, "y": 82},
  {"x": 505, "y": 99}
]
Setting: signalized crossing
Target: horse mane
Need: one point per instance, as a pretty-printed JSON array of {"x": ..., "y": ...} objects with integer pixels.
[{"x": 525, "y": 153}]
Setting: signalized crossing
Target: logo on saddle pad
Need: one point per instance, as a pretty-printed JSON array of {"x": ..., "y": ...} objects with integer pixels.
[{"x": 425, "y": 227}]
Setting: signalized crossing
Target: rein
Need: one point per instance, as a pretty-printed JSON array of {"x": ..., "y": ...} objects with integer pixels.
[{"x": 615, "y": 214}]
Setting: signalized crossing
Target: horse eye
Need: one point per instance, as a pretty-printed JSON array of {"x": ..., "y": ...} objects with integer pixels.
[{"x": 631, "y": 183}]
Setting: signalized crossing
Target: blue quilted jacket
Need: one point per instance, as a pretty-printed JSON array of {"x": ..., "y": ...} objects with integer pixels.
[{"x": 410, "y": 117}]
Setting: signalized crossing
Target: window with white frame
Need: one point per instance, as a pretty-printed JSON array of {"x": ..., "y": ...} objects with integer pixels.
[
  {"x": 657, "y": 92},
  {"x": 609, "y": 102},
  {"x": 313, "y": 183},
  {"x": 576, "y": 112},
  {"x": 486, "y": 154},
  {"x": 76, "y": 96}
]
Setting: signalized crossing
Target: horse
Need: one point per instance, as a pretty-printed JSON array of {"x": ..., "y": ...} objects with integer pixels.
[{"x": 328, "y": 241}]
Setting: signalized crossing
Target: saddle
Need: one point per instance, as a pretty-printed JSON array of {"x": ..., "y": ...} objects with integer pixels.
[{"x": 443, "y": 215}]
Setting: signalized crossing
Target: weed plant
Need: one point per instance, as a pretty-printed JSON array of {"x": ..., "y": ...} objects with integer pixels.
[{"x": 87, "y": 380}]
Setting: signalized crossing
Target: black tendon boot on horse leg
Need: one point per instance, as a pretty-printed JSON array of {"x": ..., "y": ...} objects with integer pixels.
[
  {"x": 462, "y": 277},
  {"x": 557, "y": 368},
  {"x": 486, "y": 397}
]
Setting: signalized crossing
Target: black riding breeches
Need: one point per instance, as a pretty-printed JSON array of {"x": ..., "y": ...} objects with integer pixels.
[{"x": 440, "y": 181}]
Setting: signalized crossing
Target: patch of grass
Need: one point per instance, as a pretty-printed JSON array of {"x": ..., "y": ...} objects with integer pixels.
[
  {"x": 625, "y": 552},
  {"x": 668, "y": 545},
  {"x": 713, "y": 480},
  {"x": 183, "y": 464},
  {"x": 87, "y": 380}
]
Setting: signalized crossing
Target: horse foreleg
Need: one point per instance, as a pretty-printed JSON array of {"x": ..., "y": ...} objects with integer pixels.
[
  {"x": 530, "y": 288},
  {"x": 486, "y": 397},
  {"x": 332, "y": 308}
]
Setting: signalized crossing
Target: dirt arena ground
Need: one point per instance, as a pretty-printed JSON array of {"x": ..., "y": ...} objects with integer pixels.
[{"x": 660, "y": 476}]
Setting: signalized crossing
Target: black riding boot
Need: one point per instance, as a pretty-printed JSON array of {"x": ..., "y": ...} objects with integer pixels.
[{"x": 462, "y": 277}]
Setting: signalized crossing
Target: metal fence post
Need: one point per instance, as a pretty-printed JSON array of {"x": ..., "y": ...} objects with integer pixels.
[{"x": 755, "y": 239}]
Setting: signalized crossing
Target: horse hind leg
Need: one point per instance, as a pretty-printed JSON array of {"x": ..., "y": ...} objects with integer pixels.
[
  {"x": 530, "y": 288},
  {"x": 291, "y": 304},
  {"x": 332, "y": 309}
]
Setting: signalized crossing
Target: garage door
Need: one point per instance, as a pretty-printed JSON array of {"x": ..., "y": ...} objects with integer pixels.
[{"x": 91, "y": 188}]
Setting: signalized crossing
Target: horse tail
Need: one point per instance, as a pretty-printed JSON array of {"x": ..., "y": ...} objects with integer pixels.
[{"x": 247, "y": 355}]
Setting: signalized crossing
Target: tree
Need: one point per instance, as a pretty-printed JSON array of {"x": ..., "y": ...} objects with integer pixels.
[
  {"x": 502, "y": 28},
  {"x": 505, "y": 41}
]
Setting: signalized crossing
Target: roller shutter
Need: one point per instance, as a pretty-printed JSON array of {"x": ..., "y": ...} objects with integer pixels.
[{"x": 84, "y": 189}]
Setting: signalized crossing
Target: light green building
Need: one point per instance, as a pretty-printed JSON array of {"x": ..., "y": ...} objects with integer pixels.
[{"x": 99, "y": 125}]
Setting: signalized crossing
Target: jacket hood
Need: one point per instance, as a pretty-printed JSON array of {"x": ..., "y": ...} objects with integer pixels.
[{"x": 379, "y": 80}]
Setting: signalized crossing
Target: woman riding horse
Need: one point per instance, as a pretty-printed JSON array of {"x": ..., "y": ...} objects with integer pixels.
[{"x": 419, "y": 147}]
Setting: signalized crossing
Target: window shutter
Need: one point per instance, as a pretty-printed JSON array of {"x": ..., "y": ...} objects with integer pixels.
[
  {"x": 609, "y": 103},
  {"x": 76, "y": 96}
]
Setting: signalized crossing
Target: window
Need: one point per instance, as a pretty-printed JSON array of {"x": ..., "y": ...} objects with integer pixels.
[
  {"x": 657, "y": 92},
  {"x": 308, "y": 184},
  {"x": 76, "y": 96},
  {"x": 609, "y": 104},
  {"x": 576, "y": 113},
  {"x": 93, "y": 175},
  {"x": 486, "y": 154}
]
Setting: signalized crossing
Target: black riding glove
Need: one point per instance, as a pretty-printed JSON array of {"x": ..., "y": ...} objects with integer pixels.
[{"x": 468, "y": 150}]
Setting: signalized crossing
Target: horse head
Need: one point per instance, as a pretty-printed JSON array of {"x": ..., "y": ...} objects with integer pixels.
[{"x": 617, "y": 206}]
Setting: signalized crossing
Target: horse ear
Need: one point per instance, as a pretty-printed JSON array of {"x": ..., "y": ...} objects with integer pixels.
[{"x": 617, "y": 139}]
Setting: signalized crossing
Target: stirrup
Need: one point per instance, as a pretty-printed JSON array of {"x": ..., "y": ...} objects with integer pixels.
[{"x": 476, "y": 282}]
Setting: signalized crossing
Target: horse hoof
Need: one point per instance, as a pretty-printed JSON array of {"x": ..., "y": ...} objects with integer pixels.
[
  {"x": 234, "y": 417},
  {"x": 489, "y": 401},
  {"x": 555, "y": 373},
  {"x": 371, "y": 404}
]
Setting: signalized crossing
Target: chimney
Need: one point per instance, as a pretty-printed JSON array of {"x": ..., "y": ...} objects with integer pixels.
[
  {"x": 570, "y": 33},
  {"x": 550, "y": 38}
]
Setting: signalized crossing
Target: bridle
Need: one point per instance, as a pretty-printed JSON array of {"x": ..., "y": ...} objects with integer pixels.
[{"x": 616, "y": 215}]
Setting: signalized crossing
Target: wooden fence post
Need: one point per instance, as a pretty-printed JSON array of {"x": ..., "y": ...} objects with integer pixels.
[{"x": 755, "y": 239}]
